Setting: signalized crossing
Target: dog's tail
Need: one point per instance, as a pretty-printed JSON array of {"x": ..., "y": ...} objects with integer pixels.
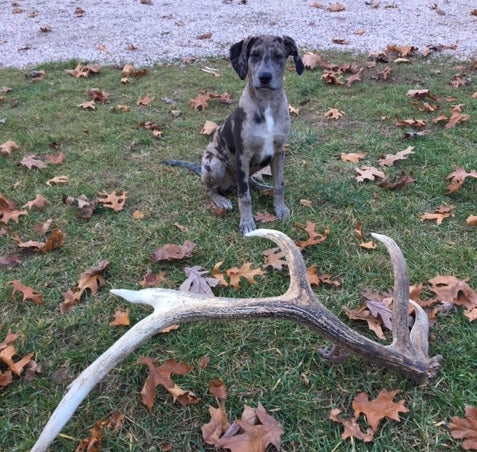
[{"x": 189, "y": 165}]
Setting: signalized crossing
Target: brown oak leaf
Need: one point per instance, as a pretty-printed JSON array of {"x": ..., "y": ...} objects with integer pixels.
[
  {"x": 245, "y": 271},
  {"x": 121, "y": 318},
  {"x": 8, "y": 147},
  {"x": 314, "y": 238},
  {"x": 274, "y": 258},
  {"x": 30, "y": 162},
  {"x": 381, "y": 407},
  {"x": 39, "y": 202},
  {"x": 170, "y": 252},
  {"x": 196, "y": 281},
  {"x": 389, "y": 159},
  {"x": 114, "y": 200},
  {"x": 27, "y": 292},
  {"x": 161, "y": 375},
  {"x": 465, "y": 428},
  {"x": 368, "y": 173}
]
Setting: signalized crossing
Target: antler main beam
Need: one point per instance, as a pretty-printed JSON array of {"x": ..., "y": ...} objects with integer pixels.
[{"x": 407, "y": 354}]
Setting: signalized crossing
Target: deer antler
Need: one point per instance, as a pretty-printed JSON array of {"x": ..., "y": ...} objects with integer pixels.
[{"x": 407, "y": 353}]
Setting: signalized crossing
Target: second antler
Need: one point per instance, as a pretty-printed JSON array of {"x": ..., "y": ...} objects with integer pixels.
[{"x": 407, "y": 354}]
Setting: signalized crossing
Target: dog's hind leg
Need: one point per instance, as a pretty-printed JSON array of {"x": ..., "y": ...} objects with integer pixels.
[{"x": 216, "y": 179}]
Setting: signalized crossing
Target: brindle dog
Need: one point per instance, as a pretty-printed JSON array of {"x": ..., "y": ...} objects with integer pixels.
[{"x": 253, "y": 136}]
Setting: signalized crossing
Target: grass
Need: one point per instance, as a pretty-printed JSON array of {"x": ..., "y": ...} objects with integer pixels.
[{"x": 260, "y": 361}]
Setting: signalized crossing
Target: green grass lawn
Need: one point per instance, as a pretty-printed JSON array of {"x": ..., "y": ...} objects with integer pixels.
[{"x": 108, "y": 149}]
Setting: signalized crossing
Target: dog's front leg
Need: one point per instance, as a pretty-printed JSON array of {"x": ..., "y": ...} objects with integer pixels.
[
  {"x": 247, "y": 223},
  {"x": 277, "y": 167}
]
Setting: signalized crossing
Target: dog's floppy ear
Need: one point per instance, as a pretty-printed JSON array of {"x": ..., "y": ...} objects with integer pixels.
[
  {"x": 239, "y": 54},
  {"x": 290, "y": 45}
]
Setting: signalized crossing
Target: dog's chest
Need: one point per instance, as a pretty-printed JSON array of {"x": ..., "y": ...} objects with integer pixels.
[{"x": 266, "y": 135}]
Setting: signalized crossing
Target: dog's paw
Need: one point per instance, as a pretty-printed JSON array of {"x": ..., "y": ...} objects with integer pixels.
[
  {"x": 282, "y": 211},
  {"x": 247, "y": 225},
  {"x": 221, "y": 202}
]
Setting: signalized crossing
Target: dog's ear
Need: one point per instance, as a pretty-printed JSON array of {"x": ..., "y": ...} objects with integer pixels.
[
  {"x": 290, "y": 45},
  {"x": 239, "y": 54}
]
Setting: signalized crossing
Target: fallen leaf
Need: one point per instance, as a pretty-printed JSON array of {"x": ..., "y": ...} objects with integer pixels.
[
  {"x": 196, "y": 281},
  {"x": 316, "y": 280},
  {"x": 114, "y": 200},
  {"x": 55, "y": 159},
  {"x": 161, "y": 375},
  {"x": 439, "y": 215},
  {"x": 399, "y": 182},
  {"x": 204, "y": 362},
  {"x": 414, "y": 123},
  {"x": 209, "y": 128},
  {"x": 39, "y": 202},
  {"x": 217, "y": 388},
  {"x": 92, "y": 278},
  {"x": 274, "y": 258},
  {"x": 218, "y": 424},
  {"x": 334, "y": 114},
  {"x": 96, "y": 95},
  {"x": 145, "y": 101},
  {"x": 121, "y": 318},
  {"x": 465, "y": 428},
  {"x": 245, "y": 271},
  {"x": 389, "y": 159},
  {"x": 10, "y": 260},
  {"x": 381, "y": 407},
  {"x": 457, "y": 178},
  {"x": 30, "y": 162},
  {"x": 265, "y": 217},
  {"x": 58, "y": 180},
  {"x": 8, "y": 147},
  {"x": 311, "y": 60},
  {"x": 368, "y": 173},
  {"x": 258, "y": 430},
  {"x": 27, "y": 292},
  {"x": 314, "y": 238},
  {"x": 471, "y": 220},
  {"x": 352, "y": 157},
  {"x": 171, "y": 252},
  {"x": 152, "y": 280},
  {"x": 351, "y": 427}
]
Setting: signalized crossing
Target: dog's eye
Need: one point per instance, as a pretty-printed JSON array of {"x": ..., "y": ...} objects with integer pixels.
[
  {"x": 256, "y": 55},
  {"x": 277, "y": 56}
]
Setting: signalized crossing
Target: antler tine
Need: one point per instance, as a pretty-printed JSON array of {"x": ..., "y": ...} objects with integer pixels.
[
  {"x": 420, "y": 331},
  {"x": 401, "y": 339},
  {"x": 296, "y": 265}
]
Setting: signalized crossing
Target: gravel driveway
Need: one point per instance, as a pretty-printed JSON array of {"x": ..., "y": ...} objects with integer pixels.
[{"x": 147, "y": 31}]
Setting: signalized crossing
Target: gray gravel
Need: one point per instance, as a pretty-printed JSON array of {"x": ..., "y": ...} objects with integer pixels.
[{"x": 108, "y": 30}]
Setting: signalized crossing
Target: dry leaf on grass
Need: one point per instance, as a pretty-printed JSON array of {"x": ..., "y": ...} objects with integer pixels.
[
  {"x": 170, "y": 252},
  {"x": 121, "y": 318},
  {"x": 197, "y": 282},
  {"x": 439, "y": 215},
  {"x": 389, "y": 159},
  {"x": 352, "y": 157},
  {"x": 114, "y": 200},
  {"x": 314, "y": 238},
  {"x": 161, "y": 376},
  {"x": 8, "y": 147},
  {"x": 27, "y": 292},
  {"x": 465, "y": 428}
]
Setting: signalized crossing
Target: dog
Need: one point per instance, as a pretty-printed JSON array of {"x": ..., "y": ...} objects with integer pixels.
[{"x": 253, "y": 136}]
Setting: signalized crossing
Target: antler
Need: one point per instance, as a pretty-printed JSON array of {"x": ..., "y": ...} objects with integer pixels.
[{"x": 407, "y": 354}]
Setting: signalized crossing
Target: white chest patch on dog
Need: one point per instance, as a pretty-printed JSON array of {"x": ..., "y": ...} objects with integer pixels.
[{"x": 268, "y": 149}]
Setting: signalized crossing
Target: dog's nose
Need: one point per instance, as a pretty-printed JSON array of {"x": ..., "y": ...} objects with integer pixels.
[{"x": 265, "y": 78}]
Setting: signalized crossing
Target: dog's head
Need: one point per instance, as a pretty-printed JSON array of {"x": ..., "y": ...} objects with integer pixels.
[{"x": 264, "y": 58}]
